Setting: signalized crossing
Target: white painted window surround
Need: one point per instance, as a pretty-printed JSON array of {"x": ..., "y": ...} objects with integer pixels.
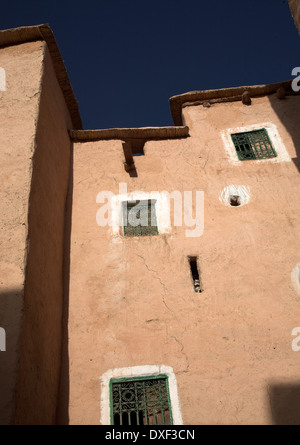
[
  {"x": 161, "y": 210},
  {"x": 139, "y": 371},
  {"x": 273, "y": 133}
]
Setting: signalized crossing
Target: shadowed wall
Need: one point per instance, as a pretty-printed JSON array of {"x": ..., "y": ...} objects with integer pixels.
[{"x": 40, "y": 357}]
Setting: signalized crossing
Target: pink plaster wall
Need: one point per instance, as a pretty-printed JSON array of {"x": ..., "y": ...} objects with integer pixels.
[
  {"x": 18, "y": 117},
  {"x": 132, "y": 301},
  {"x": 35, "y": 164},
  {"x": 40, "y": 359}
]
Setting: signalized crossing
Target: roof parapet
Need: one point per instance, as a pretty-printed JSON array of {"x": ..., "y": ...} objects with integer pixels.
[
  {"x": 134, "y": 137},
  {"x": 145, "y": 133},
  {"x": 16, "y": 36},
  {"x": 222, "y": 95}
]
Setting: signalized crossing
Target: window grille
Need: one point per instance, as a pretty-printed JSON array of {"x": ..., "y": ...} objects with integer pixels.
[
  {"x": 140, "y": 401},
  {"x": 139, "y": 218},
  {"x": 253, "y": 145}
]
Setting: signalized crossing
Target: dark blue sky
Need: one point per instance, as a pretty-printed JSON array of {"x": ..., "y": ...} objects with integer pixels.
[{"x": 125, "y": 58}]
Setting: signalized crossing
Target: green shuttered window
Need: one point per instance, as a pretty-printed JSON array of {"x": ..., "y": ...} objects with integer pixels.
[
  {"x": 253, "y": 145},
  {"x": 140, "y": 401},
  {"x": 139, "y": 218}
]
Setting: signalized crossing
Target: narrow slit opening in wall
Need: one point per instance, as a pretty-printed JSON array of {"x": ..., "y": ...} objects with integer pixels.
[{"x": 195, "y": 273}]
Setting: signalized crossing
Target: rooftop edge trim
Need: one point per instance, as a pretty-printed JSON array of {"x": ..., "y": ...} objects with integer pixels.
[
  {"x": 222, "y": 95},
  {"x": 43, "y": 32},
  {"x": 149, "y": 133}
]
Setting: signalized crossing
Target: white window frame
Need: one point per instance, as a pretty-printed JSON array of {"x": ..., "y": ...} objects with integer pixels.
[{"x": 162, "y": 210}]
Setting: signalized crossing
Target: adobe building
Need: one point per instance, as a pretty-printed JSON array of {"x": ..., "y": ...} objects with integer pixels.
[{"x": 168, "y": 322}]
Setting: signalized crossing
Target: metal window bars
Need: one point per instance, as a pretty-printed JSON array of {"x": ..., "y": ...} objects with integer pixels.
[
  {"x": 140, "y": 401},
  {"x": 139, "y": 218},
  {"x": 253, "y": 145}
]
